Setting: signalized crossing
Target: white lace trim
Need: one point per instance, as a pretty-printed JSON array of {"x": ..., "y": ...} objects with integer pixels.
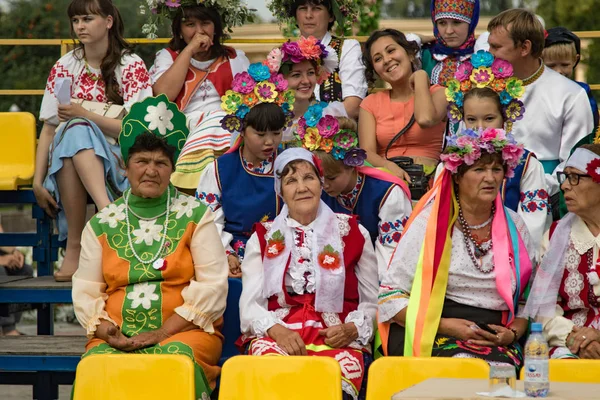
[
  {"x": 302, "y": 271},
  {"x": 363, "y": 324},
  {"x": 582, "y": 238},
  {"x": 574, "y": 282},
  {"x": 261, "y": 326}
]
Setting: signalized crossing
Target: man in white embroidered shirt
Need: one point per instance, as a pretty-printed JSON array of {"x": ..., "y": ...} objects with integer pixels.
[{"x": 558, "y": 113}]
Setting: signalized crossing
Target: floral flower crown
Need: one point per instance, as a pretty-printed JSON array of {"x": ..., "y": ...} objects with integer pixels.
[
  {"x": 322, "y": 132},
  {"x": 467, "y": 146},
  {"x": 256, "y": 86},
  {"x": 345, "y": 12},
  {"x": 232, "y": 12},
  {"x": 481, "y": 71},
  {"x": 281, "y": 59}
]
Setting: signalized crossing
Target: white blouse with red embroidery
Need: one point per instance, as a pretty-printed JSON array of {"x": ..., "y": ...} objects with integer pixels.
[{"x": 87, "y": 84}]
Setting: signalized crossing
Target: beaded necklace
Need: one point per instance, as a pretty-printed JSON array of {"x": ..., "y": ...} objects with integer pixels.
[
  {"x": 157, "y": 263},
  {"x": 480, "y": 251},
  {"x": 89, "y": 72}
]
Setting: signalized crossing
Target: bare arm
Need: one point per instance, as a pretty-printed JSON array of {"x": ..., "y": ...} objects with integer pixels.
[
  {"x": 352, "y": 106},
  {"x": 367, "y": 140},
  {"x": 430, "y": 109}
]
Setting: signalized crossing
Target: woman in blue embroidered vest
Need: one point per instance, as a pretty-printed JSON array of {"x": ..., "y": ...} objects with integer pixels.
[
  {"x": 492, "y": 101},
  {"x": 195, "y": 71},
  {"x": 380, "y": 200},
  {"x": 347, "y": 83},
  {"x": 238, "y": 186},
  {"x": 454, "y": 24},
  {"x": 83, "y": 158},
  {"x": 304, "y": 64}
]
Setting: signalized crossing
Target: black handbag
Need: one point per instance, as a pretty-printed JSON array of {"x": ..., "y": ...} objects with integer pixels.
[{"x": 419, "y": 184}]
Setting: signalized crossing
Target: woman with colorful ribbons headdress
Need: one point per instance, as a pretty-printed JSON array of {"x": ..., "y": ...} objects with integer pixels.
[
  {"x": 152, "y": 272},
  {"x": 310, "y": 278},
  {"x": 458, "y": 294},
  {"x": 379, "y": 199},
  {"x": 238, "y": 186},
  {"x": 347, "y": 83},
  {"x": 195, "y": 71},
  {"x": 304, "y": 64},
  {"x": 565, "y": 295},
  {"x": 485, "y": 94},
  {"x": 454, "y": 24}
]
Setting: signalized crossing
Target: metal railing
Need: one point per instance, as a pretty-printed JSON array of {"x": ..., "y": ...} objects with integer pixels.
[{"x": 65, "y": 44}]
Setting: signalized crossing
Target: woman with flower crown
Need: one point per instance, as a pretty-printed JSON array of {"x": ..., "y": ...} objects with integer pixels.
[
  {"x": 81, "y": 157},
  {"x": 379, "y": 199},
  {"x": 238, "y": 185},
  {"x": 565, "y": 295},
  {"x": 152, "y": 275},
  {"x": 195, "y": 71},
  {"x": 346, "y": 83},
  {"x": 459, "y": 295},
  {"x": 304, "y": 64},
  {"x": 310, "y": 278},
  {"x": 485, "y": 94}
]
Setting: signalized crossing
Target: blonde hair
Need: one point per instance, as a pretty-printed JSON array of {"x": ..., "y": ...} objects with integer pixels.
[
  {"x": 521, "y": 25},
  {"x": 560, "y": 51},
  {"x": 330, "y": 164}
]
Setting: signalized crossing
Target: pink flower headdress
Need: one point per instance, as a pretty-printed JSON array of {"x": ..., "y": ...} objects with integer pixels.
[
  {"x": 255, "y": 86},
  {"x": 281, "y": 59},
  {"x": 481, "y": 71},
  {"x": 467, "y": 146}
]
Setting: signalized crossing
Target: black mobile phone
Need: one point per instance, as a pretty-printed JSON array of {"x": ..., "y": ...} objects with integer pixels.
[{"x": 486, "y": 327}]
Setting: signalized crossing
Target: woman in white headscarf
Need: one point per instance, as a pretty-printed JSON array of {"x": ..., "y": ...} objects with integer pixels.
[{"x": 310, "y": 278}]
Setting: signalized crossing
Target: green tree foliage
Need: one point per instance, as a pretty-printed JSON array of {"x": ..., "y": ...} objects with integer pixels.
[
  {"x": 27, "y": 67},
  {"x": 580, "y": 15}
]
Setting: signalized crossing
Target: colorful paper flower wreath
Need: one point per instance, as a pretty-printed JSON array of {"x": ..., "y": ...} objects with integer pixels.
[
  {"x": 257, "y": 85},
  {"x": 322, "y": 132},
  {"x": 281, "y": 59},
  {"x": 481, "y": 71},
  {"x": 467, "y": 146}
]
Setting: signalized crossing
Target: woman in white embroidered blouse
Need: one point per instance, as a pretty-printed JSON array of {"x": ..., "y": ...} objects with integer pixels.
[
  {"x": 82, "y": 158},
  {"x": 569, "y": 269},
  {"x": 309, "y": 277}
]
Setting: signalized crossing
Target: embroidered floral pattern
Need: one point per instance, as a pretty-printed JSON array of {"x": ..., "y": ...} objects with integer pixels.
[
  {"x": 537, "y": 200},
  {"x": 329, "y": 258},
  {"x": 142, "y": 295},
  {"x": 348, "y": 200},
  {"x": 184, "y": 205},
  {"x": 275, "y": 244},
  {"x": 391, "y": 231},
  {"x": 212, "y": 200},
  {"x": 148, "y": 232},
  {"x": 112, "y": 214},
  {"x": 262, "y": 167}
]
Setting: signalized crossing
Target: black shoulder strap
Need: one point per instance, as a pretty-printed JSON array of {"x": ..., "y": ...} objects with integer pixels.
[{"x": 402, "y": 132}]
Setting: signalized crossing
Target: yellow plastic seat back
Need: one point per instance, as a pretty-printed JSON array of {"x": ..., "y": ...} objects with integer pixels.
[
  {"x": 280, "y": 377},
  {"x": 570, "y": 370},
  {"x": 17, "y": 149},
  {"x": 135, "y": 376},
  {"x": 389, "y": 375}
]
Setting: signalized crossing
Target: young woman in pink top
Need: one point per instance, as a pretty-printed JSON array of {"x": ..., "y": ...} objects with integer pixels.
[{"x": 390, "y": 57}]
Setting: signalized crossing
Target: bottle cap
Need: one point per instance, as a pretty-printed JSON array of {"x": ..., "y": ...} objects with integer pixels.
[{"x": 536, "y": 327}]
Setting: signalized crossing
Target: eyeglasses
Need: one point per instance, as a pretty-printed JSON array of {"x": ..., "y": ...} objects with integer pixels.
[{"x": 572, "y": 177}]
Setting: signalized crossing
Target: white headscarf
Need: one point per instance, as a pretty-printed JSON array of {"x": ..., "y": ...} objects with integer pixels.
[{"x": 329, "y": 282}]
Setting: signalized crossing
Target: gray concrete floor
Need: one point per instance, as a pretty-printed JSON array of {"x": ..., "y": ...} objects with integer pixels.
[{"x": 20, "y": 392}]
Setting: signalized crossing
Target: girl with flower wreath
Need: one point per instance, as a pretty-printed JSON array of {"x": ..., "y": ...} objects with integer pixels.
[
  {"x": 391, "y": 57},
  {"x": 195, "y": 71},
  {"x": 82, "y": 157},
  {"x": 237, "y": 186},
  {"x": 459, "y": 294},
  {"x": 304, "y": 64},
  {"x": 485, "y": 94},
  {"x": 316, "y": 18},
  {"x": 310, "y": 278},
  {"x": 380, "y": 200}
]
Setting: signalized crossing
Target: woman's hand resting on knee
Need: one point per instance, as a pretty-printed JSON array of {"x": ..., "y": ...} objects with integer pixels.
[
  {"x": 291, "y": 342},
  {"x": 459, "y": 328},
  {"x": 45, "y": 200}
]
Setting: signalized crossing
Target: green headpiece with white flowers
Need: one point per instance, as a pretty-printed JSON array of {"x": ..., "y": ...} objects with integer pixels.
[{"x": 158, "y": 116}]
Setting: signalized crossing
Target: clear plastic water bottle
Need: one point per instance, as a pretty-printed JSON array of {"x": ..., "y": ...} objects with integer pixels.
[{"x": 536, "y": 363}]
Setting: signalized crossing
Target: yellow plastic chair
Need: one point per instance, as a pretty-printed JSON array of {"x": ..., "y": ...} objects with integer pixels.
[
  {"x": 17, "y": 149},
  {"x": 274, "y": 377},
  {"x": 389, "y": 375},
  {"x": 570, "y": 370},
  {"x": 135, "y": 376}
]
